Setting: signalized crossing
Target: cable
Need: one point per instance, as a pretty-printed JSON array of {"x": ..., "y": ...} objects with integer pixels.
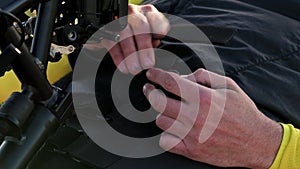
[{"x": 15, "y": 19}]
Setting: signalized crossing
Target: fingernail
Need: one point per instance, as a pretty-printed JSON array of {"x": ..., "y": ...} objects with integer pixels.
[
  {"x": 135, "y": 69},
  {"x": 145, "y": 87},
  {"x": 148, "y": 62},
  {"x": 122, "y": 68},
  {"x": 148, "y": 86},
  {"x": 149, "y": 73}
]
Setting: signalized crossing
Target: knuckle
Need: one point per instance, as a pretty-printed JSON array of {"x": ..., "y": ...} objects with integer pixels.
[
  {"x": 229, "y": 80},
  {"x": 143, "y": 22},
  {"x": 164, "y": 25},
  {"x": 131, "y": 8},
  {"x": 230, "y": 83},
  {"x": 169, "y": 83},
  {"x": 138, "y": 20},
  {"x": 148, "y": 7},
  {"x": 199, "y": 73},
  {"x": 139, "y": 24}
]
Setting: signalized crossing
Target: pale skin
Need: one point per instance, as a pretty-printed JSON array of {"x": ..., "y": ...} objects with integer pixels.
[
  {"x": 243, "y": 136},
  {"x": 134, "y": 53}
]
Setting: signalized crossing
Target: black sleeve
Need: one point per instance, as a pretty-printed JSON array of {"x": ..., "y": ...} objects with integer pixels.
[{"x": 289, "y": 8}]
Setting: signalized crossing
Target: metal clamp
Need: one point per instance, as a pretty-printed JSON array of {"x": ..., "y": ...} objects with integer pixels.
[{"x": 61, "y": 49}]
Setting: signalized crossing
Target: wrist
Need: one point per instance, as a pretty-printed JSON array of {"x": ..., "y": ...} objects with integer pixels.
[{"x": 267, "y": 145}]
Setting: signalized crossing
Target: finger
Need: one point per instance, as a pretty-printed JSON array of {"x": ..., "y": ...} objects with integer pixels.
[
  {"x": 145, "y": 51},
  {"x": 177, "y": 85},
  {"x": 115, "y": 51},
  {"x": 118, "y": 58},
  {"x": 132, "y": 8},
  {"x": 172, "y": 108},
  {"x": 172, "y": 126},
  {"x": 129, "y": 51},
  {"x": 158, "y": 22},
  {"x": 211, "y": 79},
  {"x": 160, "y": 102},
  {"x": 155, "y": 43},
  {"x": 142, "y": 34},
  {"x": 171, "y": 143}
]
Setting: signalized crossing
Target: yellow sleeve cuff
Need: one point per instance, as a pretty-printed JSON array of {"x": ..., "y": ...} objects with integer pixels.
[
  {"x": 289, "y": 152},
  {"x": 135, "y": 1}
]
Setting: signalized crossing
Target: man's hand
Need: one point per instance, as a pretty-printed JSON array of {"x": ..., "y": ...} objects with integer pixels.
[
  {"x": 146, "y": 25},
  {"x": 235, "y": 133}
]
